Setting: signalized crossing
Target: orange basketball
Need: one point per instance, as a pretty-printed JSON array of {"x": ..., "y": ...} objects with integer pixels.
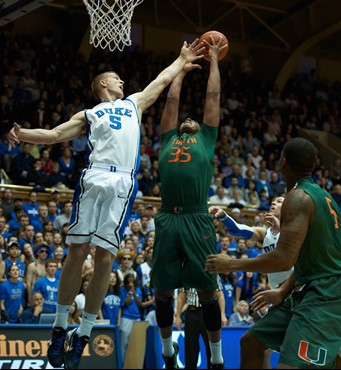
[{"x": 215, "y": 34}]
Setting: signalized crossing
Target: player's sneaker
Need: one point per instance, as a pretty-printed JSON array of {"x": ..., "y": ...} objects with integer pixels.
[
  {"x": 55, "y": 349},
  {"x": 76, "y": 346},
  {"x": 217, "y": 366},
  {"x": 171, "y": 362}
]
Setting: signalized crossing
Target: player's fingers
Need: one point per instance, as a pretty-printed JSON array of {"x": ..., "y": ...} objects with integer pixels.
[
  {"x": 200, "y": 52},
  {"x": 258, "y": 306},
  {"x": 219, "y": 41}
]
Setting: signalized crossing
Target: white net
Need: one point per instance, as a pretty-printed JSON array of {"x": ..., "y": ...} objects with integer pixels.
[{"x": 110, "y": 24}]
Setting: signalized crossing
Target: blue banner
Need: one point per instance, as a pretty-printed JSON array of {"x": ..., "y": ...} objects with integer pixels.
[{"x": 230, "y": 345}]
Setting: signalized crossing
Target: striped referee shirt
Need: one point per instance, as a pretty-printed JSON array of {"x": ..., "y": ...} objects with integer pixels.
[{"x": 192, "y": 298}]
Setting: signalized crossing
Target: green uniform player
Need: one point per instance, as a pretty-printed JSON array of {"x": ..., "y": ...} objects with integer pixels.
[
  {"x": 185, "y": 234},
  {"x": 306, "y": 327},
  {"x": 184, "y": 230}
]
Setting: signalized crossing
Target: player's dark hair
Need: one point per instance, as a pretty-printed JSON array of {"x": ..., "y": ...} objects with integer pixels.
[{"x": 300, "y": 155}]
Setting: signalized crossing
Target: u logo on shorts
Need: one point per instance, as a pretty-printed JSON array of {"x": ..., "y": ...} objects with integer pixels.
[{"x": 303, "y": 354}]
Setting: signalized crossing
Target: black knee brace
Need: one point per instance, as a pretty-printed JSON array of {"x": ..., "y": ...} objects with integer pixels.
[
  {"x": 211, "y": 313},
  {"x": 164, "y": 312}
]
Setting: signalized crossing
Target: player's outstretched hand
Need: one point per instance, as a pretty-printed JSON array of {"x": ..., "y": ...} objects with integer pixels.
[
  {"x": 266, "y": 298},
  {"x": 13, "y": 136},
  {"x": 216, "y": 211},
  {"x": 215, "y": 47},
  {"x": 273, "y": 221},
  {"x": 193, "y": 51},
  {"x": 218, "y": 263}
]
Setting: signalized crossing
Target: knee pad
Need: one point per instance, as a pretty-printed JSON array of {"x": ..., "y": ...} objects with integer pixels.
[
  {"x": 211, "y": 313},
  {"x": 164, "y": 312}
]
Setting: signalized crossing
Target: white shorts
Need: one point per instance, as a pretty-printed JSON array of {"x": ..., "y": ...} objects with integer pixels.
[{"x": 102, "y": 204}]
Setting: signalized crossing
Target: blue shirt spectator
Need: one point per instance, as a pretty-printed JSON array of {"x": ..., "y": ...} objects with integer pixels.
[
  {"x": 12, "y": 295},
  {"x": 48, "y": 286},
  {"x": 228, "y": 291}
]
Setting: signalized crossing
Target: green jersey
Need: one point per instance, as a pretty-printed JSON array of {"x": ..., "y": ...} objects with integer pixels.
[
  {"x": 186, "y": 167},
  {"x": 320, "y": 254}
]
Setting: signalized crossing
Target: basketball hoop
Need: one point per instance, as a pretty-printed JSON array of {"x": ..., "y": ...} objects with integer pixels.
[{"x": 110, "y": 24}]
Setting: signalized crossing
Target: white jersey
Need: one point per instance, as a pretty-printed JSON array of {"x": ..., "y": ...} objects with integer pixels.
[
  {"x": 106, "y": 191},
  {"x": 269, "y": 244},
  {"x": 113, "y": 130}
]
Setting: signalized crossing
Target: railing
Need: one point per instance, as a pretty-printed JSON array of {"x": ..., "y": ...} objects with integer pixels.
[{"x": 22, "y": 192}]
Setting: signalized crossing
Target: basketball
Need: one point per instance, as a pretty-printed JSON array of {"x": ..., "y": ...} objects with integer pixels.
[{"x": 215, "y": 34}]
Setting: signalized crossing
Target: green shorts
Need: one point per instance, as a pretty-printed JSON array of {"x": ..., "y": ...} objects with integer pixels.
[
  {"x": 306, "y": 328},
  {"x": 182, "y": 243}
]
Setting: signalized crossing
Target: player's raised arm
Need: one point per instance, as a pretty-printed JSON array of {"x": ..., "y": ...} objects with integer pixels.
[
  {"x": 212, "y": 104},
  {"x": 189, "y": 53},
  {"x": 235, "y": 229},
  {"x": 169, "y": 119},
  {"x": 64, "y": 132}
]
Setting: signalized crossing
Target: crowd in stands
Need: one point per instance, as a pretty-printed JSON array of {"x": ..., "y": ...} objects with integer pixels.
[{"x": 43, "y": 83}]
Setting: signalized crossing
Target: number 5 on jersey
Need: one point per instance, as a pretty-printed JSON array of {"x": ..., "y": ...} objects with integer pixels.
[{"x": 116, "y": 122}]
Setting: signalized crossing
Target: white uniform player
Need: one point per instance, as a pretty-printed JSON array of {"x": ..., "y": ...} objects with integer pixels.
[
  {"x": 104, "y": 195},
  {"x": 269, "y": 244},
  {"x": 106, "y": 191}
]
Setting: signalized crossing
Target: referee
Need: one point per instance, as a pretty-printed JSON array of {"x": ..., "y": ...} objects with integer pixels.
[{"x": 188, "y": 301}]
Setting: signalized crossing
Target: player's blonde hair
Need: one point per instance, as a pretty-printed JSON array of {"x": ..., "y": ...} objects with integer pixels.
[{"x": 96, "y": 86}]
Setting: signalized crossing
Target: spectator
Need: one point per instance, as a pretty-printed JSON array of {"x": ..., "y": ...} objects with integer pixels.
[
  {"x": 111, "y": 306},
  {"x": 27, "y": 256},
  {"x": 263, "y": 184},
  {"x": 48, "y": 286},
  {"x": 125, "y": 259},
  {"x": 220, "y": 197},
  {"x": 58, "y": 256},
  {"x": 5, "y": 234},
  {"x": 131, "y": 302},
  {"x": 241, "y": 246},
  {"x": 31, "y": 207},
  {"x": 264, "y": 201},
  {"x": 7, "y": 203},
  {"x": 22, "y": 164},
  {"x": 67, "y": 164},
  {"x": 37, "y": 269},
  {"x": 46, "y": 161},
  {"x": 227, "y": 283},
  {"x": 241, "y": 317},
  {"x": 13, "y": 258},
  {"x": 28, "y": 236},
  {"x": 36, "y": 176},
  {"x": 15, "y": 224},
  {"x": 80, "y": 297},
  {"x": 149, "y": 212},
  {"x": 143, "y": 271},
  {"x": 32, "y": 314},
  {"x": 12, "y": 295},
  {"x": 63, "y": 218},
  {"x": 56, "y": 178},
  {"x": 52, "y": 211},
  {"x": 74, "y": 318},
  {"x": 256, "y": 157},
  {"x": 277, "y": 187},
  {"x": 48, "y": 239},
  {"x": 146, "y": 182},
  {"x": 3, "y": 247},
  {"x": 237, "y": 199}
]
